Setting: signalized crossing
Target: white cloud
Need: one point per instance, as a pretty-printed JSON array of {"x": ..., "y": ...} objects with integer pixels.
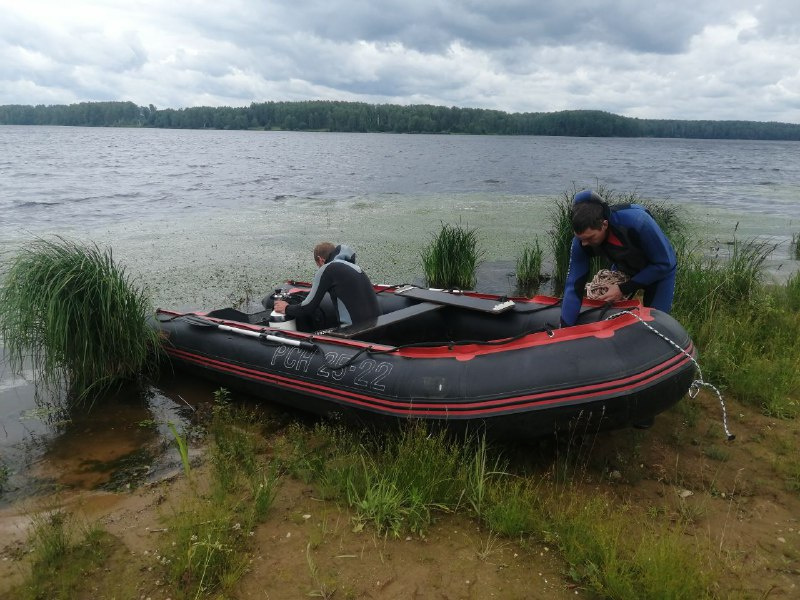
[{"x": 713, "y": 59}]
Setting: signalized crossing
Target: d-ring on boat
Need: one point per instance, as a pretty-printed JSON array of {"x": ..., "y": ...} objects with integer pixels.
[{"x": 467, "y": 360}]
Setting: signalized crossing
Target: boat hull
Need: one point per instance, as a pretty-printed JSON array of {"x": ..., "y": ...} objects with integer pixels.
[{"x": 602, "y": 374}]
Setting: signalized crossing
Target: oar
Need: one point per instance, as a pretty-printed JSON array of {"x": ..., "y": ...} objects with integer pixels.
[{"x": 199, "y": 321}]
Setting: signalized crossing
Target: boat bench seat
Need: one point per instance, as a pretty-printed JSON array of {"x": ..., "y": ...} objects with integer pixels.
[
  {"x": 356, "y": 329},
  {"x": 455, "y": 299}
]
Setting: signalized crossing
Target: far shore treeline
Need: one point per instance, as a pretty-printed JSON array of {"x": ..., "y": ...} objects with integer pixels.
[{"x": 323, "y": 115}]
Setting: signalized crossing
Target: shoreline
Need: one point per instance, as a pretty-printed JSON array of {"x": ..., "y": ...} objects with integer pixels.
[{"x": 204, "y": 259}]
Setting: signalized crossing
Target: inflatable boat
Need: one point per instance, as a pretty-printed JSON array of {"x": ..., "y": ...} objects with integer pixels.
[{"x": 466, "y": 360}]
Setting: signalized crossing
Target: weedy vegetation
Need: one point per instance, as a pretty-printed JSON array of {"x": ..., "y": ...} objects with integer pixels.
[
  {"x": 76, "y": 314},
  {"x": 206, "y": 548},
  {"x": 63, "y": 553},
  {"x": 451, "y": 259},
  {"x": 400, "y": 482},
  {"x": 529, "y": 267},
  {"x": 560, "y": 238},
  {"x": 748, "y": 331},
  {"x": 5, "y": 475}
]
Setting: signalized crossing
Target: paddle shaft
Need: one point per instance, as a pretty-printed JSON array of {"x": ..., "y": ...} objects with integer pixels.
[{"x": 266, "y": 336}]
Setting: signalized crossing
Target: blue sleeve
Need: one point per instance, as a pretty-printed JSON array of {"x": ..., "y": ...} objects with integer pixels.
[
  {"x": 575, "y": 284},
  {"x": 661, "y": 259}
]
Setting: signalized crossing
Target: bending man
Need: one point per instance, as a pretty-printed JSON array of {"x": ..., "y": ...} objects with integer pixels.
[
  {"x": 631, "y": 240},
  {"x": 351, "y": 290}
]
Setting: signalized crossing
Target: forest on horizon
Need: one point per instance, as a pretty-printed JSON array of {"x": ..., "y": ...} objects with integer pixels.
[{"x": 340, "y": 116}]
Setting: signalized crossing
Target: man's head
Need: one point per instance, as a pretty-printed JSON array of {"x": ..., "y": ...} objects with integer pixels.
[
  {"x": 322, "y": 252},
  {"x": 589, "y": 223}
]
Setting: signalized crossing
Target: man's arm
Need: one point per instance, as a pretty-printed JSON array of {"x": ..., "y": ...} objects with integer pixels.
[
  {"x": 575, "y": 284},
  {"x": 319, "y": 287}
]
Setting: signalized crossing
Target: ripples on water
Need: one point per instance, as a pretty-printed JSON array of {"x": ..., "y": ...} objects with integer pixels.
[
  {"x": 52, "y": 166},
  {"x": 196, "y": 212},
  {"x": 204, "y": 218}
]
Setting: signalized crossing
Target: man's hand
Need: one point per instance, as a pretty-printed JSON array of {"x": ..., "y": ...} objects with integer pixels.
[
  {"x": 280, "y": 306},
  {"x": 613, "y": 294}
]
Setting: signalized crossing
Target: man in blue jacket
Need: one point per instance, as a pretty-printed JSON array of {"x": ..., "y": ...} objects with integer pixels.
[
  {"x": 628, "y": 236},
  {"x": 338, "y": 275}
]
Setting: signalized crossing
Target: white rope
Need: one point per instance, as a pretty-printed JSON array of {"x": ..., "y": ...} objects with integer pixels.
[
  {"x": 602, "y": 280},
  {"x": 694, "y": 388}
]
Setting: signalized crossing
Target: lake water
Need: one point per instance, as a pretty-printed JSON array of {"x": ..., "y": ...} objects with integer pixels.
[
  {"x": 204, "y": 218},
  {"x": 201, "y": 215}
]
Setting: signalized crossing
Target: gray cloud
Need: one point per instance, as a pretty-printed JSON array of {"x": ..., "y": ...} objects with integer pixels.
[
  {"x": 701, "y": 59},
  {"x": 430, "y": 26}
]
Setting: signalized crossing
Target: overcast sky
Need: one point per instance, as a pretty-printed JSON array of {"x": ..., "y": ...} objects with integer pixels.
[{"x": 685, "y": 59}]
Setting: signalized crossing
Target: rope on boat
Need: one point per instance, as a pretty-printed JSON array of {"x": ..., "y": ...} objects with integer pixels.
[
  {"x": 604, "y": 279},
  {"x": 695, "y": 386}
]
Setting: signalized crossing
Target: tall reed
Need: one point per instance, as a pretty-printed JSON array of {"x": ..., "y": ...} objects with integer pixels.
[
  {"x": 452, "y": 257},
  {"x": 529, "y": 266},
  {"x": 748, "y": 332},
  {"x": 706, "y": 283},
  {"x": 791, "y": 293},
  {"x": 75, "y": 313},
  {"x": 561, "y": 239}
]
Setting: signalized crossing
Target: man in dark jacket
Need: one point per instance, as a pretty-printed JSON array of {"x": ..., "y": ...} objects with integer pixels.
[
  {"x": 628, "y": 236},
  {"x": 351, "y": 290}
]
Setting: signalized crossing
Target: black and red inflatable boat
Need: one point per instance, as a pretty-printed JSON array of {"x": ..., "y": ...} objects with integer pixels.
[{"x": 468, "y": 360}]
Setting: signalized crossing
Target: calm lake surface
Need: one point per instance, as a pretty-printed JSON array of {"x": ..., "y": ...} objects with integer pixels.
[{"x": 204, "y": 218}]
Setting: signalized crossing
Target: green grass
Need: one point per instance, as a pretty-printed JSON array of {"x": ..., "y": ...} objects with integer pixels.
[
  {"x": 748, "y": 332},
  {"x": 714, "y": 452},
  {"x": 75, "y": 313},
  {"x": 529, "y": 267},
  {"x": 617, "y": 562},
  {"x": 396, "y": 483},
  {"x": 789, "y": 295},
  {"x": 560, "y": 238},
  {"x": 208, "y": 542},
  {"x": 5, "y": 475},
  {"x": 451, "y": 259},
  {"x": 794, "y": 250},
  {"x": 785, "y": 461},
  {"x": 704, "y": 284},
  {"x": 508, "y": 509},
  {"x": 63, "y": 555},
  {"x": 183, "y": 448},
  {"x": 399, "y": 482},
  {"x": 791, "y": 473}
]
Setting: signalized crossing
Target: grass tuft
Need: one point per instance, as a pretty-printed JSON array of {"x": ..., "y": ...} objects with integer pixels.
[
  {"x": 77, "y": 315},
  {"x": 529, "y": 267},
  {"x": 399, "y": 481},
  {"x": 790, "y": 296},
  {"x": 748, "y": 332},
  {"x": 706, "y": 284},
  {"x": 560, "y": 237},
  {"x": 64, "y": 554},
  {"x": 205, "y": 551},
  {"x": 451, "y": 259},
  {"x": 5, "y": 475}
]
